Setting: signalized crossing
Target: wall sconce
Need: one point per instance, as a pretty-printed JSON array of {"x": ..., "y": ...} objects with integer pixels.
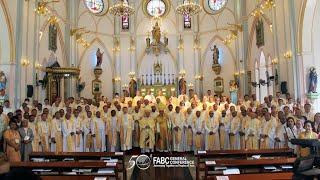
[
  {"x": 190, "y": 85},
  {"x": 270, "y": 27},
  {"x": 180, "y": 47},
  {"x": 38, "y": 66},
  {"x": 41, "y": 8},
  {"x": 125, "y": 87},
  {"x": 117, "y": 79},
  {"x": 116, "y": 49},
  {"x": 274, "y": 61},
  {"x": 25, "y": 62},
  {"x": 131, "y": 48},
  {"x": 132, "y": 75},
  {"x": 288, "y": 55},
  {"x": 182, "y": 73},
  {"x": 198, "y": 77},
  {"x": 196, "y": 47},
  {"x": 236, "y": 74},
  {"x": 242, "y": 72}
]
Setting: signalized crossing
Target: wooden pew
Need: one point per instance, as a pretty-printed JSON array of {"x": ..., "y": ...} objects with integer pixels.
[
  {"x": 247, "y": 166},
  {"x": 260, "y": 176},
  {"x": 79, "y": 156},
  {"x": 238, "y": 154},
  {"x": 60, "y": 168}
]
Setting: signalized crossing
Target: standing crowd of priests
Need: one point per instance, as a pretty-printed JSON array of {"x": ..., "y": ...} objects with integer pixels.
[{"x": 155, "y": 123}]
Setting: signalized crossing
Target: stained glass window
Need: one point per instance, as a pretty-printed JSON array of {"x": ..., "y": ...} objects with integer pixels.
[
  {"x": 95, "y": 6},
  {"x": 156, "y": 8},
  {"x": 125, "y": 22},
  {"x": 187, "y": 21},
  {"x": 216, "y": 5}
]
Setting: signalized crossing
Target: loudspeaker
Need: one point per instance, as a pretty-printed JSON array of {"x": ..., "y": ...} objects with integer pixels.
[
  {"x": 284, "y": 88},
  {"x": 29, "y": 91}
]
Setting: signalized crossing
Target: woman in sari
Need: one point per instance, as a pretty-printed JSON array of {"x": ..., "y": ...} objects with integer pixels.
[
  {"x": 12, "y": 142},
  {"x": 307, "y": 134}
]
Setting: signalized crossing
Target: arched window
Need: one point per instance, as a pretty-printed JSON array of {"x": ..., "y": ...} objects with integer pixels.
[
  {"x": 263, "y": 90},
  {"x": 270, "y": 73}
]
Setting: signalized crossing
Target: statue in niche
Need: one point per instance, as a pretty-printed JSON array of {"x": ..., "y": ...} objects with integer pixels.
[
  {"x": 3, "y": 80},
  {"x": 52, "y": 37},
  {"x": 156, "y": 33},
  {"x": 313, "y": 80},
  {"x": 182, "y": 86},
  {"x": 233, "y": 91},
  {"x": 133, "y": 87},
  {"x": 99, "y": 57},
  {"x": 215, "y": 55}
]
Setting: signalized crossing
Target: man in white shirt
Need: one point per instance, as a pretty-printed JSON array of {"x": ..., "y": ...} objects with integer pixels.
[{"x": 7, "y": 108}]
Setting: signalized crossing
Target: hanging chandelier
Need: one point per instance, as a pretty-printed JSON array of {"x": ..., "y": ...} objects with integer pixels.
[
  {"x": 188, "y": 7},
  {"x": 122, "y": 8}
]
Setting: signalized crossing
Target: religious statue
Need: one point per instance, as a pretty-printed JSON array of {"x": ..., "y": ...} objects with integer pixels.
[
  {"x": 148, "y": 42},
  {"x": 99, "y": 57},
  {"x": 156, "y": 33},
  {"x": 313, "y": 80},
  {"x": 133, "y": 87},
  {"x": 233, "y": 92},
  {"x": 215, "y": 56},
  {"x": 3, "y": 80},
  {"x": 182, "y": 86}
]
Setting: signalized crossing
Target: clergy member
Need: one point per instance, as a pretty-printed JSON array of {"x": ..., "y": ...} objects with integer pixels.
[
  {"x": 44, "y": 133},
  {"x": 252, "y": 130},
  {"x": 112, "y": 129},
  {"x": 68, "y": 131},
  {"x": 199, "y": 130},
  {"x": 56, "y": 133},
  {"x": 126, "y": 128},
  {"x": 224, "y": 129},
  {"x": 162, "y": 130},
  {"x": 99, "y": 137},
  {"x": 147, "y": 125},
  {"x": 234, "y": 136},
  {"x": 178, "y": 130},
  {"x": 189, "y": 126},
  {"x": 212, "y": 135}
]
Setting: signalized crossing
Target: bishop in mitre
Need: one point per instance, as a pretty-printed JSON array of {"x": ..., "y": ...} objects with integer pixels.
[{"x": 147, "y": 125}]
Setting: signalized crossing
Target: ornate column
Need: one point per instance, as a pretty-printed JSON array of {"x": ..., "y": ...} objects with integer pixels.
[
  {"x": 197, "y": 57},
  {"x": 73, "y": 47},
  {"x": 293, "y": 35},
  {"x": 18, "y": 51},
  {"x": 117, "y": 74},
  {"x": 116, "y": 54},
  {"x": 181, "y": 55},
  {"x": 243, "y": 51},
  {"x": 132, "y": 49}
]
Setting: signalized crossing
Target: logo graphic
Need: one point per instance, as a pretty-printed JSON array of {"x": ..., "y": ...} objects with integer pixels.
[{"x": 142, "y": 161}]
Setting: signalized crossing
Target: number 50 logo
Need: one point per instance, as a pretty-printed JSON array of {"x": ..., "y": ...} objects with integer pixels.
[{"x": 142, "y": 161}]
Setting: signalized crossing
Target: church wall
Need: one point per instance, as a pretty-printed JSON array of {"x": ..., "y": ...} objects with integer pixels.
[
  {"x": 213, "y": 33},
  {"x": 310, "y": 55}
]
